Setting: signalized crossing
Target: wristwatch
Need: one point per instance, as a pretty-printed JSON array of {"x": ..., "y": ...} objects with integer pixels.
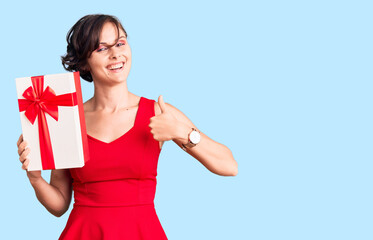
[{"x": 194, "y": 137}]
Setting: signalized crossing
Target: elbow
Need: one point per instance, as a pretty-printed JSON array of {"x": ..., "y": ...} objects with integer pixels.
[
  {"x": 223, "y": 165},
  {"x": 227, "y": 173},
  {"x": 230, "y": 170},
  {"x": 234, "y": 170},
  {"x": 58, "y": 213},
  {"x": 230, "y": 166}
]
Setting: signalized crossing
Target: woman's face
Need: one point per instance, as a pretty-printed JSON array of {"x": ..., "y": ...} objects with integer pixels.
[{"x": 110, "y": 64}]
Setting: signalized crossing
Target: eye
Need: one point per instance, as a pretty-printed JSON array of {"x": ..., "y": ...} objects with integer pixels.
[
  {"x": 119, "y": 44},
  {"x": 101, "y": 49}
]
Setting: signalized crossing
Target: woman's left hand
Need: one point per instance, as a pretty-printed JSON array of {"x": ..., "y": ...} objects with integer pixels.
[{"x": 164, "y": 126}]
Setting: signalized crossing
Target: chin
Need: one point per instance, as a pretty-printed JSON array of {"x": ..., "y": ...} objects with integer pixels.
[{"x": 118, "y": 79}]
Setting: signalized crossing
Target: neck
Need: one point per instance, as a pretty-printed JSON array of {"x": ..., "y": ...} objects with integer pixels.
[{"x": 110, "y": 98}]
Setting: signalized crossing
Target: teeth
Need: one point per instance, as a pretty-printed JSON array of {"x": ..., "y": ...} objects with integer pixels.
[{"x": 116, "y": 66}]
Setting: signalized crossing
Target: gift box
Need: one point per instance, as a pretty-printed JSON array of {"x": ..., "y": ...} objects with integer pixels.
[{"x": 52, "y": 118}]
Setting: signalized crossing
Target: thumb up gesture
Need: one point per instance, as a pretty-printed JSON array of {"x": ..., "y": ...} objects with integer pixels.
[
  {"x": 163, "y": 126},
  {"x": 162, "y": 104}
]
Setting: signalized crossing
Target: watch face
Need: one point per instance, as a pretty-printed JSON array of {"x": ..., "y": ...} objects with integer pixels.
[{"x": 195, "y": 137}]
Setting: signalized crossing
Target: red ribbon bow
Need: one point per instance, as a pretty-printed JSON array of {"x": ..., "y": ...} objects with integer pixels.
[{"x": 38, "y": 102}]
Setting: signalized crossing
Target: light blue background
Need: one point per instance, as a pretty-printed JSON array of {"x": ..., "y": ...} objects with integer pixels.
[{"x": 286, "y": 85}]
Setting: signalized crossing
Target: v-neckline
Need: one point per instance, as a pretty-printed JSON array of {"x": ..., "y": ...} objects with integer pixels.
[{"x": 124, "y": 134}]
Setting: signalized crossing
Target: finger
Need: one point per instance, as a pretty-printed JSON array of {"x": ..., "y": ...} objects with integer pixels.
[
  {"x": 161, "y": 103},
  {"x": 20, "y": 139},
  {"x": 22, "y": 147},
  {"x": 25, "y": 164},
  {"x": 24, "y": 155}
]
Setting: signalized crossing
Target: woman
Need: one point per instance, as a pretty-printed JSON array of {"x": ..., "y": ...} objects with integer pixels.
[{"x": 114, "y": 191}]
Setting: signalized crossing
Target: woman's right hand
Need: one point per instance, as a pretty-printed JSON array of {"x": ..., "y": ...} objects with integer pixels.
[{"x": 23, "y": 151}]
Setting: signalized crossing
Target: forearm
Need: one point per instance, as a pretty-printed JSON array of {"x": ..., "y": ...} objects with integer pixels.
[
  {"x": 215, "y": 156},
  {"x": 50, "y": 197}
]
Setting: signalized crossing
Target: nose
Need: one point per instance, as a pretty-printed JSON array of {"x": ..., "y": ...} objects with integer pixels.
[{"x": 115, "y": 53}]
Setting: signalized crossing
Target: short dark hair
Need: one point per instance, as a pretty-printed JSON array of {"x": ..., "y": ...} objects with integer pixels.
[{"x": 82, "y": 39}]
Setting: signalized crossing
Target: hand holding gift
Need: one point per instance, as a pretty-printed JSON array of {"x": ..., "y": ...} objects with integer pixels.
[{"x": 23, "y": 152}]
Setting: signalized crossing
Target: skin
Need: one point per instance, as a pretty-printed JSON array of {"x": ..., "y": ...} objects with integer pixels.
[{"x": 113, "y": 107}]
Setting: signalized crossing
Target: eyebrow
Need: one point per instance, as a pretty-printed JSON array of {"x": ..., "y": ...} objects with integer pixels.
[{"x": 117, "y": 40}]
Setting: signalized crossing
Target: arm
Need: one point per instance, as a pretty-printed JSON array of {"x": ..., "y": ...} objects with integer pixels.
[
  {"x": 54, "y": 196},
  {"x": 171, "y": 124}
]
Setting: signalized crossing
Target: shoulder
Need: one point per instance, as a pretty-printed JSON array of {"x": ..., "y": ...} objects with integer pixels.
[{"x": 87, "y": 106}]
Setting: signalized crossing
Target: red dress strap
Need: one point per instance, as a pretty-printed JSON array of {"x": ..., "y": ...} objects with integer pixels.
[{"x": 147, "y": 112}]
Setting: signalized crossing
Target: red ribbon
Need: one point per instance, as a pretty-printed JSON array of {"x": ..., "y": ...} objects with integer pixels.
[{"x": 38, "y": 102}]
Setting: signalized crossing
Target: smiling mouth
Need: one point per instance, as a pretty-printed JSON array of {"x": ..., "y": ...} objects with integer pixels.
[{"x": 116, "y": 66}]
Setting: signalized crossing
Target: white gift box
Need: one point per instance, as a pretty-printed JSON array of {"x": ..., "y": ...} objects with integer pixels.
[{"x": 52, "y": 118}]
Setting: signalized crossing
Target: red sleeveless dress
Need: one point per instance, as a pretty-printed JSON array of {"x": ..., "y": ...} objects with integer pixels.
[{"x": 114, "y": 192}]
